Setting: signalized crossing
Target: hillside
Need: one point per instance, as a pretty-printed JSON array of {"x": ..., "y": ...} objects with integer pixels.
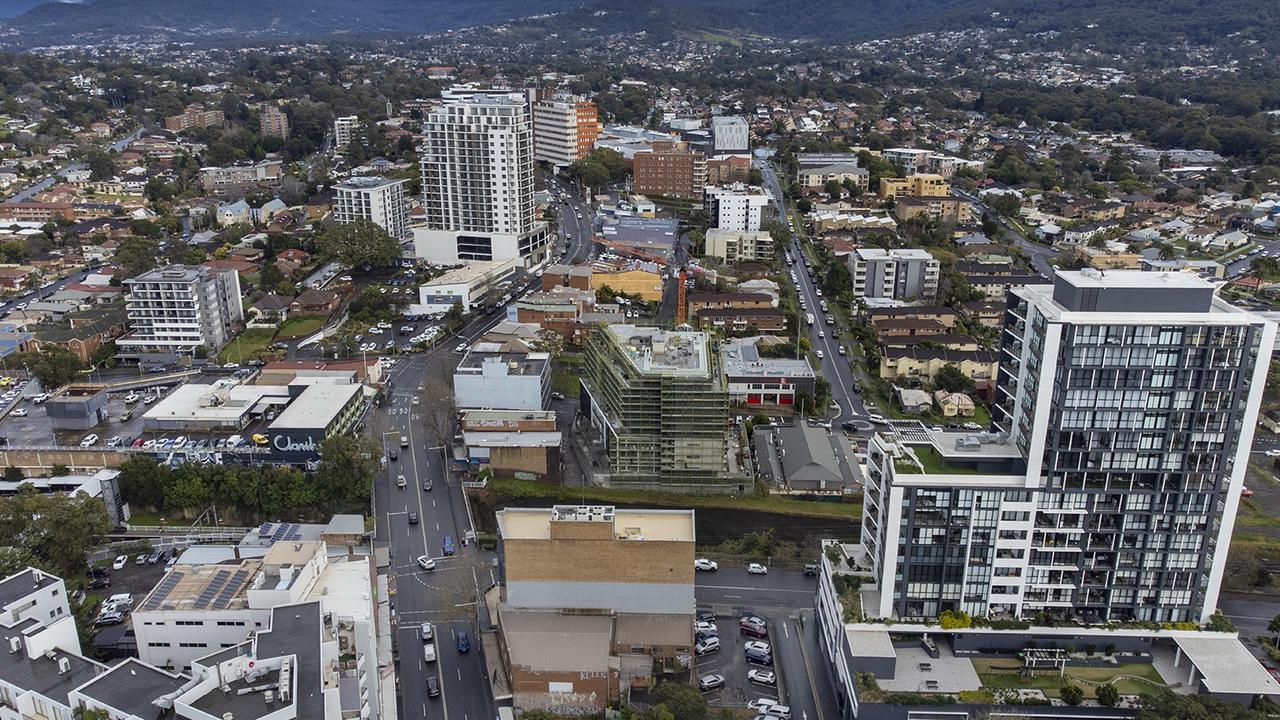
[{"x": 1112, "y": 22}]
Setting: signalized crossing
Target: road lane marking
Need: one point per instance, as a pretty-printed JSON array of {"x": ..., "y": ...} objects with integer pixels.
[{"x": 752, "y": 589}]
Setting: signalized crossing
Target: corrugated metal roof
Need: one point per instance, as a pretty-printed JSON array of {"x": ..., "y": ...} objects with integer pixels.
[{"x": 543, "y": 641}]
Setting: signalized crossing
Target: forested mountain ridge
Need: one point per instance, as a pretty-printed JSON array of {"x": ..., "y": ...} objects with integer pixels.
[{"x": 1114, "y": 22}]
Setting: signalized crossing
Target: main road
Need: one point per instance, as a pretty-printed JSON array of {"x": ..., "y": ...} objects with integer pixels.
[
  {"x": 834, "y": 366},
  {"x": 446, "y": 597}
]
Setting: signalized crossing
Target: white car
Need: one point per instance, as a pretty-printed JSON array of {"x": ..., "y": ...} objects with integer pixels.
[
  {"x": 878, "y": 419},
  {"x": 782, "y": 712},
  {"x": 762, "y": 677},
  {"x": 121, "y": 561},
  {"x": 757, "y": 569},
  {"x": 131, "y": 398},
  {"x": 426, "y": 631},
  {"x": 761, "y": 705},
  {"x": 705, "y": 564},
  {"x": 426, "y": 563},
  {"x": 819, "y": 353},
  {"x": 707, "y": 645},
  {"x": 89, "y": 440},
  {"x": 20, "y": 412},
  {"x": 706, "y": 627},
  {"x": 429, "y": 652},
  {"x": 1273, "y": 453},
  {"x": 759, "y": 646}
]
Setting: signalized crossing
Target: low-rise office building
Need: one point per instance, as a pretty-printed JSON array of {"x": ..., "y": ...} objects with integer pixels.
[
  {"x": 489, "y": 380},
  {"x": 737, "y": 207},
  {"x": 471, "y": 286},
  {"x": 755, "y": 380},
  {"x": 523, "y": 443}
]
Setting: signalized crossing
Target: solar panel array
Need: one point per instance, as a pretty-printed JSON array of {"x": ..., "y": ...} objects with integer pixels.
[
  {"x": 286, "y": 531},
  {"x": 212, "y": 589},
  {"x": 161, "y": 593},
  {"x": 228, "y": 592}
]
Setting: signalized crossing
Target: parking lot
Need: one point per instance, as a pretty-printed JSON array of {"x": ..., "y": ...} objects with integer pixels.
[{"x": 731, "y": 662}]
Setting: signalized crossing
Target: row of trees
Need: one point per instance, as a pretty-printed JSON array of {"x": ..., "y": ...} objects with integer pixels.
[{"x": 341, "y": 483}]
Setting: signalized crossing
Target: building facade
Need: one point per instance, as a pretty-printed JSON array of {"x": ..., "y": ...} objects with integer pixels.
[
  {"x": 659, "y": 402},
  {"x": 273, "y": 122},
  {"x": 477, "y": 184},
  {"x": 490, "y": 380},
  {"x": 378, "y": 200},
  {"x": 737, "y": 245},
  {"x": 730, "y": 135},
  {"x": 670, "y": 168},
  {"x": 595, "y": 601},
  {"x": 564, "y": 130},
  {"x": 194, "y": 116},
  {"x": 922, "y": 185},
  {"x": 736, "y": 207},
  {"x": 899, "y": 274},
  {"x": 1109, "y": 486},
  {"x": 343, "y": 128},
  {"x": 175, "y": 309}
]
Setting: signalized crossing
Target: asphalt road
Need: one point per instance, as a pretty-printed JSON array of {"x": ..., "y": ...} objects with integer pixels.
[
  {"x": 33, "y": 295},
  {"x": 445, "y": 597},
  {"x": 579, "y": 246},
  {"x": 44, "y": 183},
  {"x": 1040, "y": 255},
  {"x": 834, "y": 367}
]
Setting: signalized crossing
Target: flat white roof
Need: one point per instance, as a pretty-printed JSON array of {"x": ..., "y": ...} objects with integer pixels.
[
  {"x": 316, "y": 406},
  {"x": 869, "y": 643},
  {"x": 474, "y": 272},
  {"x": 1226, "y": 666},
  {"x": 1132, "y": 279}
]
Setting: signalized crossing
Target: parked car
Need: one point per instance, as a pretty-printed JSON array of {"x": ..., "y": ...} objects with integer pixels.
[
  {"x": 154, "y": 557},
  {"x": 811, "y": 569},
  {"x": 89, "y": 440},
  {"x": 131, "y": 398},
  {"x": 98, "y": 584},
  {"x": 557, "y": 395},
  {"x": 115, "y": 441},
  {"x": 141, "y": 559},
  {"x": 757, "y": 646},
  {"x": 753, "y": 627},
  {"x": 705, "y": 565},
  {"x": 20, "y": 412},
  {"x": 120, "y": 562},
  {"x": 710, "y": 681},
  {"x": 111, "y": 618},
  {"x": 781, "y": 712},
  {"x": 706, "y": 646},
  {"x": 757, "y": 569},
  {"x": 762, "y": 677}
]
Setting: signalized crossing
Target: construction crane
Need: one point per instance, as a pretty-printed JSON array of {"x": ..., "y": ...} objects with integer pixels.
[{"x": 682, "y": 307}]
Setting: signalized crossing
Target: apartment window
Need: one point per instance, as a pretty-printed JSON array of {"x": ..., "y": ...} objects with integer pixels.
[
  {"x": 189, "y": 622},
  {"x": 193, "y": 645},
  {"x": 158, "y": 644}
]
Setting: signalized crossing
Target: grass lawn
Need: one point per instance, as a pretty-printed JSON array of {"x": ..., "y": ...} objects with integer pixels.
[
  {"x": 246, "y": 345},
  {"x": 1002, "y": 674},
  {"x": 301, "y": 326},
  {"x": 514, "y": 489},
  {"x": 566, "y": 381}
]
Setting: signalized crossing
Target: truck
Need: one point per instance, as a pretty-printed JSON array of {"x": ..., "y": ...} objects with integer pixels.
[{"x": 809, "y": 317}]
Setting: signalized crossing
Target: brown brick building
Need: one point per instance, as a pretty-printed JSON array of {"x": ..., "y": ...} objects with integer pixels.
[
  {"x": 595, "y": 601},
  {"x": 724, "y": 301},
  {"x": 735, "y": 320},
  {"x": 671, "y": 169},
  {"x": 194, "y": 116}
]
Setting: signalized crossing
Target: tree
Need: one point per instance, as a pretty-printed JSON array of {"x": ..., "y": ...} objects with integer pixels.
[
  {"x": 137, "y": 255},
  {"x": 550, "y": 342},
  {"x": 951, "y": 379},
  {"x": 57, "y": 531},
  {"x": 1072, "y": 695},
  {"x": 1168, "y": 705},
  {"x": 270, "y": 277},
  {"x": 684, "y": 702},
  {"x": 833, "y": 189},
  {"x": 1167, "y": 252},
  {"x": 101, "y": 165},
  {"x": 1108, "y": 695},
  {"x": 14, "y": 560},
  {"x": 358, "y": 243},
  {"x": 1274, "y": 628},
  {"x": 53, "y": 366},
  {"x": 14, "y": 474},
  {"x": 347, "y": 466}
]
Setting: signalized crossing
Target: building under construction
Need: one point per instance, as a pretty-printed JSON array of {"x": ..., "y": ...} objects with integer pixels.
[{"x": 659, "y": 402}]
